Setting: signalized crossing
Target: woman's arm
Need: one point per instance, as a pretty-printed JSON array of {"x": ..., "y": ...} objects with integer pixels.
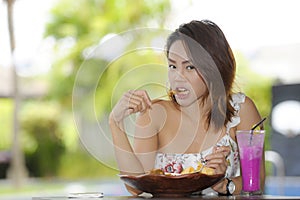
[
  {"x": 131, "y": 102},
  {"x": 137, "y": 160},
  {"x": 127, "y": 161},
  {"x": 145, "y": 142},
  {"x": 249, "y": 116}
]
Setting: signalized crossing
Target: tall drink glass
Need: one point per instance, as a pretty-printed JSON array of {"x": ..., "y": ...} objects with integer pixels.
[{"x": 251, "y": 151}]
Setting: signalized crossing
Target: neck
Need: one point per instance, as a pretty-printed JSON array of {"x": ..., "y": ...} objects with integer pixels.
[{"x": 197, "y": 111}]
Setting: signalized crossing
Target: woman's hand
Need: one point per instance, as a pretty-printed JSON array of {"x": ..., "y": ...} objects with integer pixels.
[
  {"x": 217, "y": 161},
  {"x": 131, "y": 102}
]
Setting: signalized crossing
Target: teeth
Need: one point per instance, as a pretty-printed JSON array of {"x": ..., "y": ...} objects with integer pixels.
[{"x": 181, "y": 89}]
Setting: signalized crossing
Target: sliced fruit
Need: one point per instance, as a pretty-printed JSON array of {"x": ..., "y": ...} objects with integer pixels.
[
  {"x": 207, "y": 171},
  {"x": 188, "y": 170},
  {"x": 156, "y": 171},
  {"x": 199, "y": 166}
]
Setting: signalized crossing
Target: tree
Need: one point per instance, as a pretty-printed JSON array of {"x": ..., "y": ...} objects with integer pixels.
[
  {"x": 82, "y": 24},
  {"x": 17, "y": 171}
]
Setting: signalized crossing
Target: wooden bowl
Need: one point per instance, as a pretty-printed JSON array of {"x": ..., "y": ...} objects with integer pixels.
[{"x": 171, "y": 186}]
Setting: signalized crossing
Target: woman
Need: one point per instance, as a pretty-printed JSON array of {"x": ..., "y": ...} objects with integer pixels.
[{"x": 200, "y": 121}]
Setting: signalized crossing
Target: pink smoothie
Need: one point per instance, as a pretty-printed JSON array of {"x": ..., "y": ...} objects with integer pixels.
[{"x": 250, "y": 157}]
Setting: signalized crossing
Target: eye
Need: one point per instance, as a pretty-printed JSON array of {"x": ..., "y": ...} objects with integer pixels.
[
  {"x": 190, "y": 67},
  {"x": 172, "y": 67}
]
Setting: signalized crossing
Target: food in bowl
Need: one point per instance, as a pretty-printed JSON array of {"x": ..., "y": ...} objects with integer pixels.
[
  {"x": 201, "y": 168},
  {"x": 161, "y": 184}
]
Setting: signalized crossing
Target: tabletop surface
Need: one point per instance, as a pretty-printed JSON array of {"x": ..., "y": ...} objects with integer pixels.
[{"x": 166, "y": 198}]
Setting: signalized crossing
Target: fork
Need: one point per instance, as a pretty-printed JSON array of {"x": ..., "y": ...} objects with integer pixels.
[
  {"x": 169, "y": 93},
  {"x": 202, "y": 160}
]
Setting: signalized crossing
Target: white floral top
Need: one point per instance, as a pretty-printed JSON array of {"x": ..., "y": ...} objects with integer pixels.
[{"x": 175, "y": 163}]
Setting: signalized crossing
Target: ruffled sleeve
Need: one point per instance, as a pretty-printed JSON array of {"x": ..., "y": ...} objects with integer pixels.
[{"x": 237, "y": 100}]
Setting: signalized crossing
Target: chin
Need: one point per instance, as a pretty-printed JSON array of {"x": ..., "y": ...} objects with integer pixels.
[
  {"x": 189, "y": 101},
  {"x": 185, "y": 103}
]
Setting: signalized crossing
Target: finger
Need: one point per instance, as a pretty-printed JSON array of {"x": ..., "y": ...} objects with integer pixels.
[
  {"x": 136, "y": 99},
  {"x": 143, "y": 94},
  {"x": 127, "y": 105},
  {"x": 135, "y": 102},
  {"x": 220, "y": 162},
  {"x": 225, "y": 150},
  {"x": 216, "y": 160},
  {"x": 219, "y": 165},
  {"x": 129, "y": 112},
  {"x": 219, "y": 155},
  {"x": 218, "y": 169},
  {"x": 221, "y": 148},
  {"x": 135, "y": 107},
  {"x": 133, "y": 97}
]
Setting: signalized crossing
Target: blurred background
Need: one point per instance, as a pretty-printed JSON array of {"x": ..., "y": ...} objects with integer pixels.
[{"x": 60, "y": 67}]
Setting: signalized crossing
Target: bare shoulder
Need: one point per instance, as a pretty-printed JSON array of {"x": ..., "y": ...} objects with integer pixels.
[
  {"x": 165, "y": 104},
  {"x": 248, "y": 104},
  {"x": 249, "y": 114},
  {"x": 155, "y": 117}
]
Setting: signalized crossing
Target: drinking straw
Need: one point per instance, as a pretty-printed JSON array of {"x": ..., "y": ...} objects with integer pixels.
[
  {"x": 259, "y": 123},
  {"x": 254, "y": 127}
]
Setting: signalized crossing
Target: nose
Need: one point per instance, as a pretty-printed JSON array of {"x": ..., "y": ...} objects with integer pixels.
[{"x": 179, "y": 76}]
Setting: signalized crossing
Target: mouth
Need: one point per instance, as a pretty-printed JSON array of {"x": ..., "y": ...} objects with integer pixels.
[{"x": 182, "y": 91}]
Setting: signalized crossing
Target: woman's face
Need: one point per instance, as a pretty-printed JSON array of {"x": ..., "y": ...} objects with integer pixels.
[{"x": 184, "y": 79}]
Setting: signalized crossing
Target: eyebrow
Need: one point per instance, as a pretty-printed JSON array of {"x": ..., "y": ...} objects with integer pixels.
[{"x": 184, "y": 62}]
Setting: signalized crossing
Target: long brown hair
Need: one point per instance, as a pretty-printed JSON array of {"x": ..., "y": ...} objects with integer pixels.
[{"x": 212, "y": 56}]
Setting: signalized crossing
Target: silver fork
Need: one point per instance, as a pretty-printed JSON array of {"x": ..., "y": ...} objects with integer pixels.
[{"x": 202, "y": 160}]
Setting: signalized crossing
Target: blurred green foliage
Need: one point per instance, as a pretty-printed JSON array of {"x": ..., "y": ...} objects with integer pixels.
[
  {"x": 257, "y": 87},
  {"x": 79, "y": 164},
  {"x": 6, "y": 110},
  {"x": 40, "y": 122},
  {"x": 79, "y": 25}
]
